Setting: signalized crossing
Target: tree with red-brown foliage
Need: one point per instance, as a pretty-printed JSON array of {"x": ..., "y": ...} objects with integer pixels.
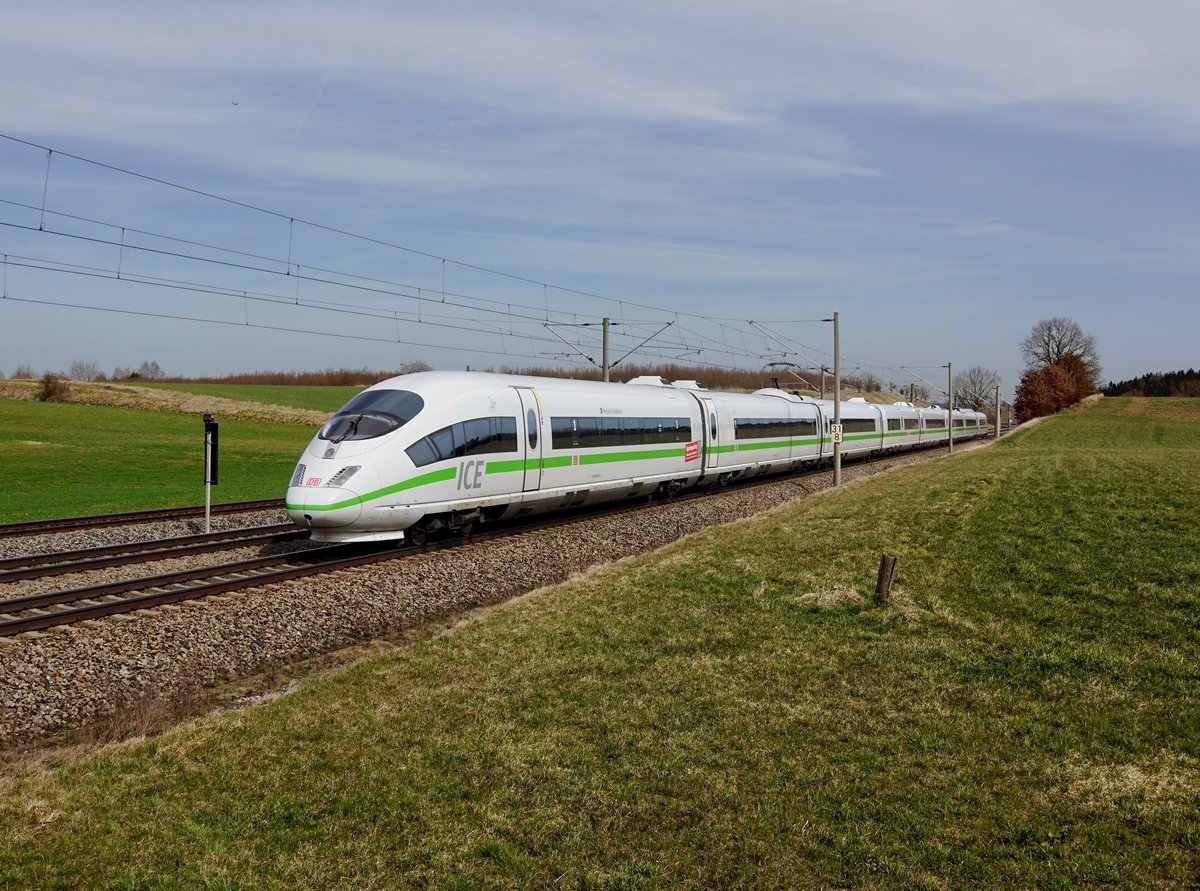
[
  {"x": 1044, "y": 391},
  {"x": 1083, "y": 378}
]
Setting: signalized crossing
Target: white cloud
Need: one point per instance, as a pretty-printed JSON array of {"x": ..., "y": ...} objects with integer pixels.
[{"x": 1107, "y": 67}]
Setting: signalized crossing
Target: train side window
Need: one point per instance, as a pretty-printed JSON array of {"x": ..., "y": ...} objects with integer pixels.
[
  {"x": 422, "y": 452},
  {"x": 504, "y": 434},
  {"x": 893, "y": 423},
  {"x": 678, "y": 429},
  {"x": 633, "y": 431},
  {"x": 562, "y": 433},
  {"x": 587, "y": 432},
  {"x": 712, "y": 424},
  {"x": 477, "y": 436},
  {"x": 610, "y": 431},
  {"x": 443, "y": 442},
  {"x": 531, "y": 430}
]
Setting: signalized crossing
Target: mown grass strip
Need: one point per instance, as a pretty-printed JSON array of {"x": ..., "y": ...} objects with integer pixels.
[
  {"x": 727, "y": 712},
  {"x": 63, "y": 460}
]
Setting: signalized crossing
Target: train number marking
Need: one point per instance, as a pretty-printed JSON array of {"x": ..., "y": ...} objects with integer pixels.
[{"x": 470, "y": 474}]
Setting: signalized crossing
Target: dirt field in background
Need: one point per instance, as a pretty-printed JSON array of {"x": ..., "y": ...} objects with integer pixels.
[{"x": 153, "y": 399}]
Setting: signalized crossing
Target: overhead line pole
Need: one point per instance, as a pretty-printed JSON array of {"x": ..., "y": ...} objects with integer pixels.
[
  {"x": 605, "y": 349},
  {"x": 950, "y": 403},
  {"x": 837, "y": 403}
]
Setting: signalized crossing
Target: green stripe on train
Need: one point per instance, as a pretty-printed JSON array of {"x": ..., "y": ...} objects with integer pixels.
[
  {"x": 434, "y": 476},
  {"x": 644, "y": 455},
  {"x": 584, "y": 458},
  {"x": 520, "y": 464}
]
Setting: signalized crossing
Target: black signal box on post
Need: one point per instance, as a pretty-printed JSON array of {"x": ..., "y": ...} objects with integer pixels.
[{"x": 210, "y": 450}]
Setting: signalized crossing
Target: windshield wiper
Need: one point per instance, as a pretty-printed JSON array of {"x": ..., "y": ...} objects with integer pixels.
[{"x": 352, "y": 427}]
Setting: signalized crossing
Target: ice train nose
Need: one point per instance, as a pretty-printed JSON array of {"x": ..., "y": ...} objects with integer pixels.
[{"x": 323, "y": 507}]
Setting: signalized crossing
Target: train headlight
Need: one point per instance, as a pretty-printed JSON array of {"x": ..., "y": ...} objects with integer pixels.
[
  {"x": 298, "y": 476},
  {"x": 343, "y": 476}
]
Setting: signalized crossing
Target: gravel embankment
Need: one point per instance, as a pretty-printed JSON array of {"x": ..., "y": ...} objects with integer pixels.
[{"x": 69, "y": 676}]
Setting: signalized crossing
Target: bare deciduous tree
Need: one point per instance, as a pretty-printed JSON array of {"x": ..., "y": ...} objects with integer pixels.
[
  {"x": 150, "y": 371},
  {"x": 976, "y": 388},
  {"x": 84, "y": 370},
  {"x": 1051, "y": 340},
  {"x": 24, "y": 372}
]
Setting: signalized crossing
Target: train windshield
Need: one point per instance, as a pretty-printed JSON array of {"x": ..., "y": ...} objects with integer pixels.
[{"x": 372, "y": 413}]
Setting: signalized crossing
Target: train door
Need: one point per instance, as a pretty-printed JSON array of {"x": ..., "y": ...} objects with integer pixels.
[
  {"x": 822, "y": 431},
  {"x": 710, "y": 435},
  {"x": 531, "y": 422}
]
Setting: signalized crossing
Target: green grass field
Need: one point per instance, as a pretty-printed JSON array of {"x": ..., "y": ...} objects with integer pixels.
[
  {"x": 63, "y": 460},
  {"x": 328, "y": 399},
  {"x": 1026, "y": 715}
]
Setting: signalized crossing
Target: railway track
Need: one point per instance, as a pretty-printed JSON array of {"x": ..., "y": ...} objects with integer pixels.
[
  {"x": 70, "y": 524},
  {"x": 37, "y": 611},
  {"x": 13, "y": 569},
  {"x": 40, "y": 611}
]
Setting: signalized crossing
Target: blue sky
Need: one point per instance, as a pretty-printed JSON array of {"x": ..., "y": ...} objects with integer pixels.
[{"x": 943, "y": 174}]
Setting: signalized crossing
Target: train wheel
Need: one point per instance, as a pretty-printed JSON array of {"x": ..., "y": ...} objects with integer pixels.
[{"x": 416, "y": 536}]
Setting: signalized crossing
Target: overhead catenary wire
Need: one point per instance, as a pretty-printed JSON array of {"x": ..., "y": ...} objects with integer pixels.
[
  {"x": 504, "y": 316},
  {"x": 288, "y": 266},
  {"x": 346, "y": 233},
  {"x": 356, "y": 282}
]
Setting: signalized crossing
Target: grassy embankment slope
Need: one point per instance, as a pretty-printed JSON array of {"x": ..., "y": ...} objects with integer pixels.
[
  {"x": 64, "y": 459},
  {"x": 1027, "y": 715}
]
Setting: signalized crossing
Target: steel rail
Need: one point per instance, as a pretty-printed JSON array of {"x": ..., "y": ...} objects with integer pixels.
[
  {"x": 300, "y": 565},
  {"x": 33, "y": 566},
  {"x": 68, "y": 524}
]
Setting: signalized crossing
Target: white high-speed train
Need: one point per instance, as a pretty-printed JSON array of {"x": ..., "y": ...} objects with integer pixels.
[{"x": 423, "y": 453}]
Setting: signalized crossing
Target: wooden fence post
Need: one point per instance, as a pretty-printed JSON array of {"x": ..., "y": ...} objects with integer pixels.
[{"x": 883, "y": 585}]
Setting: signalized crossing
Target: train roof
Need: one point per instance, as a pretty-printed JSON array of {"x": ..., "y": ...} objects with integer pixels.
[{"x": 460, "y": 381}]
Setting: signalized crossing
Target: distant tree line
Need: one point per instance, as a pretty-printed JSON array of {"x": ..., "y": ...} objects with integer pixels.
[
  {"x": 1062, "y": 366},
  {"x": 330, "y": 377},
  {"x": 1171, "y": 383},
  {"x": 89, "y": 370}
]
